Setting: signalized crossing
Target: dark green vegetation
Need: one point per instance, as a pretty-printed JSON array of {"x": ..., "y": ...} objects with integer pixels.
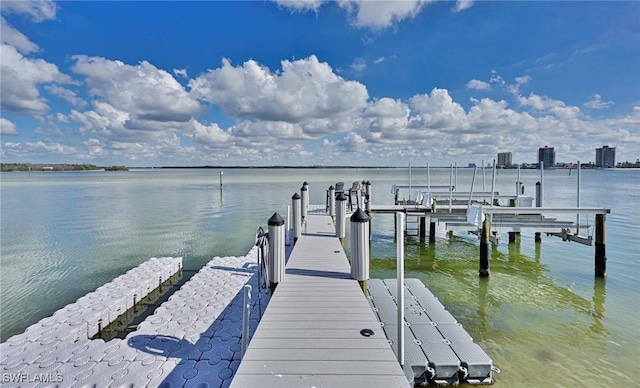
[{"x": 6, "y": 167}]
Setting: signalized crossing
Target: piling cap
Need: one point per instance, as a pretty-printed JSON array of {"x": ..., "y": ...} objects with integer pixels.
[
  {"x": 303, "y": 188},
  {"x": 368, "y": 183},
  {"x": 341, "y": 197},
  {"x": 275, "y": 220},
  {"x": 331, "y": 187},
  {"x": 296, "y": 196},
  {"x": 359, "y": 216},
  {"x": 305, "y": 184}
]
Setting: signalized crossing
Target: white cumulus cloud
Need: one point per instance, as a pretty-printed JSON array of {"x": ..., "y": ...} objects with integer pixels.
[
  {"x": 478, "y": 85},
  {"x": 301, "y": 5},
  {"x": 597, "y": 103},
  {"x": 303, "y": 90},
  {"x": 21, "y": 77},
  {"x": 143, "y": 91},
  {"x": 358, "y": 65},
  {"x": 15, "y": 38},
  {"x": 381, "y": 14},
  {"x": 461, "y": 5},
  {"x": 39, "y": 10},
  {"x": 7, "y": 128}
]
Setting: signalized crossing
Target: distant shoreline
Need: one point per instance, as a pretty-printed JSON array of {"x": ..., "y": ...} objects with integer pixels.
[{"x": 10, "y": 167}]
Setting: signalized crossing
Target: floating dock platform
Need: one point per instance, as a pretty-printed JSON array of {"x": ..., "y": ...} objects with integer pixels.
[
  {"x": 437, "y": 348},
  {"x": 193, "y": 338}
]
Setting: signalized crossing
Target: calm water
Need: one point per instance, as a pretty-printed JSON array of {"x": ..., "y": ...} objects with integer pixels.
[{"x": 542, "y": 316}]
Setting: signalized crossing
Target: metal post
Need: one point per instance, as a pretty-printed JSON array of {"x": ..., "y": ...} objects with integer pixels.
[
  {"x": 518, "y": 185},
  {"x": 455, "y": 175},
  {"x": 483, "y": 188},
  {"x": 578, "y": 200},
  {"x": 341, "y": 205},
  {"x": 538, "y": 194},
  {"x": 484, "y": 248},
  {"x": 409, "y": 181},
  {"x": 360, "y": 248},
  {"x": 287, "y": 225},
  {"x": 221, "y": 173},
  {"x": 400, "y": 217},
  {"x": 600, "y": 257},
  {"x": 276, "y": 250},
  {"x": 332, "y": 201},
  {"x": 246, "y": 316},
  {"x": 297, "y": 216},
  {"x": 473, "y": 180},
  {"x": 450, "y": 187},
  {"x": 541, "y": 201},
  {"x": 428, "y": 178},
  {"x": 304, "y": 195},
  {"x": 493, "y": 182}
]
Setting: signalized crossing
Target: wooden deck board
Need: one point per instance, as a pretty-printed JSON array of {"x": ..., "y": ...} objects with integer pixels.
[{"x": 310, "y": 334}]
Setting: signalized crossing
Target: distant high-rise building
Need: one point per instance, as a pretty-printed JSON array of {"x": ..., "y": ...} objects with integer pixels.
[
  {"x": 606, "y": 156},
  {"x": 504, "y": 159},
  {"x": 548, "y": 156}
]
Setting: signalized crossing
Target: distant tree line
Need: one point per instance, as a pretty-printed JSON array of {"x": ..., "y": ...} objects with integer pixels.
[{"x": 7, "y": 167}]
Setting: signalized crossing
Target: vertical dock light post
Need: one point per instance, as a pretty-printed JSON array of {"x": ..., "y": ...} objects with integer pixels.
[
  {"x": 246, "y": 316},
  {"x": 221, "y": 173},
  {"x": 360, "y": 248},
  {"x": 400, "y": 221},
  {"x": 297, "y": 217},
  {"x": 341, "y": 209},
  {"x": 276, "y": 250},
  {"x": 304, "y": 195},
  {"x": 601, "y": 258},
  {"x": 484, "y": 248},
  {"x": 332, "y": 202}
]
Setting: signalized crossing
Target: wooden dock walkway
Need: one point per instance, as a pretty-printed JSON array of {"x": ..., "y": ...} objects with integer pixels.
[{"x": 310, "y": 334}]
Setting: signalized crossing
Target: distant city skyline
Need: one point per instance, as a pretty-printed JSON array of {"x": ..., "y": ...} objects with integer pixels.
[{"x": 361, "y": 83}]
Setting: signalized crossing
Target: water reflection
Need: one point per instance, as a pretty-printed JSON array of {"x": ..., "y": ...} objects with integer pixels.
[
  {"x": 599, "y": 294},
  {"x": 517, "y": 304}
]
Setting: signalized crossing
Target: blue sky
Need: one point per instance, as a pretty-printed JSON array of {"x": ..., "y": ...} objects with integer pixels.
[{"x": 317, "y": 82}]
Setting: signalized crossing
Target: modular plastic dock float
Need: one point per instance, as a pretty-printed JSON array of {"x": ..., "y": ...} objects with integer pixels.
[
  {"x": 438, "y": 350},
  {"x": 193, "y": 339}
]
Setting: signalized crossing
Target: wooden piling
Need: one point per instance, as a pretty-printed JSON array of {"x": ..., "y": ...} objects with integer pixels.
[
  {"x": 422, "y": 231},
  {"x": 512, "y": 237},
  {"x": 600, "y": 256},
  {"x": 484, "y": 249},
  {"x": 538, "y": 237},
  {"x": 432, "y": 232}
]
